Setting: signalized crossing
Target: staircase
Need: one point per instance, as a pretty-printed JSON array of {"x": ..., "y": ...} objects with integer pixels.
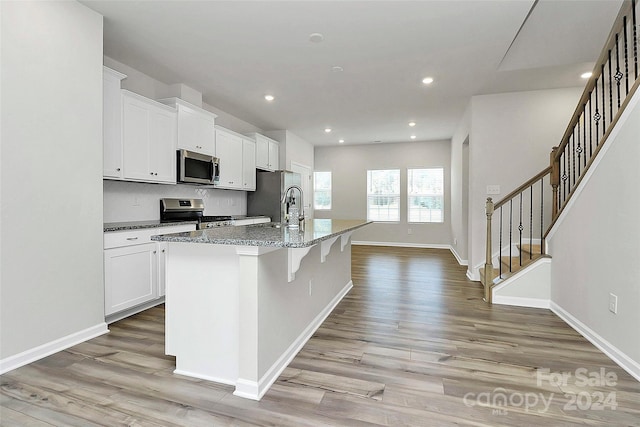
[{"x": 518, "y": 224}]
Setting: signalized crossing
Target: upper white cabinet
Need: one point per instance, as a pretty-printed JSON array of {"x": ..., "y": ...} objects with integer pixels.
[
  {"x": 195, "y": 127},
  {"x": 267, "y": 152},
  {"x": 112, "y": 123},
  {"x": 237, "y": 157},
  {"x": 248, "y": 164},
  {"x": 229, "y": 154},
  {"x": 148, "y": 140}
]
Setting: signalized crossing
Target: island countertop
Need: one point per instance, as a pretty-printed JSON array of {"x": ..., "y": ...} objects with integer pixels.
[{"x": 268, "y": 234}]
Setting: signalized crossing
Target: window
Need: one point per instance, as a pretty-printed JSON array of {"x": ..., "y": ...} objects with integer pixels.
[
  {"x": 322, "y": 190},
  {"x": 383, "y": 195},
  {"x": 425, "y": 192}
]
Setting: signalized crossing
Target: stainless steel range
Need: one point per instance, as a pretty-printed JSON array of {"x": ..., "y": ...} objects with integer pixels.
[{"x": 174, "y": 210}]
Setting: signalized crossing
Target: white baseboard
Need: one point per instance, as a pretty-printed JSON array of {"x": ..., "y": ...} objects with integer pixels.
[
  {"x": 521, "y": 301},
  {"x": 473, "y": 276},
  {"x": 256, "y": 389},
  {"x": 624, "y": 361},
  {"x": 457, "y": 257},
  {"x": 12, "y": 362},
  {"x": 135, "y": 310},
  {"x": 402, "y": 245}
]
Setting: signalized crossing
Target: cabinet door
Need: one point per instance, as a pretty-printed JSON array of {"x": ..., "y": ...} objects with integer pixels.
[
  {"x": 136, "y": 121},
  {"x": 274, "y": 156},
  {"x": 195, "y": 131},
  {"x": 112, "y": 125},
  {"x": 229, "y": 153},
  {"x": 162, "y": 153},
  {"x": 262, "y": 153},
  {"x": 130, "y": 276},
  {"x": 248, "y": 165}
]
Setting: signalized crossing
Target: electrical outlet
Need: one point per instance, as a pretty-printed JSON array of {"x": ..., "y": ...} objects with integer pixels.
[
  {"x": 493, "y": 189},
  {"x": 613, "y": 303},
  {"x": 409, "y": 231},
  {"x": 455, "y": 241}
]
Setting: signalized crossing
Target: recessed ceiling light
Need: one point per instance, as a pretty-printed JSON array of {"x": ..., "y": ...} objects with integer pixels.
[
  {"x": 337, "y": 69},
  {"x": 413, "y": 137},
  {"x": 412, "y": 124},
  {"x": 269, "y": 98},
  {"x": 341, "y": 141},
  {"x": 427, "y": 80},
  {"x": 327, "y": 130},
  {"x": 316, "y": 37},
  {"x": 586, "y": 75}
]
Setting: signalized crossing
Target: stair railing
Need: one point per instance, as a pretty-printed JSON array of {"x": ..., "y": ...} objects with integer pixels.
[{"x": 612, "y": 84}]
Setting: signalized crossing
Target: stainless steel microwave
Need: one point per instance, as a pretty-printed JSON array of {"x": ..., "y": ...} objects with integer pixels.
[{"x": 198, "y": 168}]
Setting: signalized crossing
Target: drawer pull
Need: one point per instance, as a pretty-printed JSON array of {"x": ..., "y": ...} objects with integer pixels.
[{"x": 132, "y": 238}]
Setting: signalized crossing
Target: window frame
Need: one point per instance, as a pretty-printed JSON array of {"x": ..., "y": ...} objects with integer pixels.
[
  {"x": 411, "y": 195},
  {"x": 397, "y": 196}
]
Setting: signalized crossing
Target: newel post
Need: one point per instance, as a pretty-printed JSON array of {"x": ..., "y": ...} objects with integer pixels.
[
  {"x": 555, "y": 180},
  {"x": 488, "y": 265}
]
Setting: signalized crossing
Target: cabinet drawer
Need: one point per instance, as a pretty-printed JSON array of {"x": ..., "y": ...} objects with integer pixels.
[{"x": 116, "y": 239}]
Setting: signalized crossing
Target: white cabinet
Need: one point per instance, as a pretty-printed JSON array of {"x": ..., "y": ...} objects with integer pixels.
[
  {"x": 230, "y": 152},
  {"x": 148, "y": 140},
  {"x": 195, "y": 127},
  {"x": 134, "y": 268},
  {"x": 248, "y": 164},
  {"x": 267, "y": 152},
  {"x": 130, "y": 276},
  {"x": 112, "y": 123}
]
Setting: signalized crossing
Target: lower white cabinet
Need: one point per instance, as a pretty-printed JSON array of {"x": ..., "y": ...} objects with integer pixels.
[
  {"x": 130, "y": 276},
  {"x": 134, "y": 269}
]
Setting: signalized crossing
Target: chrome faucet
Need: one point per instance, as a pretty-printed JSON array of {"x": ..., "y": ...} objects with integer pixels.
[{"x": 284, "y": 199}]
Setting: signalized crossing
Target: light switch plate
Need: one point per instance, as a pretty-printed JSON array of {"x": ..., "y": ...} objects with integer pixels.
[{"x": 493, "y": 189}]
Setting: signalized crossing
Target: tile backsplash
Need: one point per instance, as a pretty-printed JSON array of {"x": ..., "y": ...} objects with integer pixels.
[{"x": 134, "y": 201}]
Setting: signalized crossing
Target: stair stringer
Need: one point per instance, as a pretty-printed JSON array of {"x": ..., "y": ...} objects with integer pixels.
[{"x": 529, "y": 287}]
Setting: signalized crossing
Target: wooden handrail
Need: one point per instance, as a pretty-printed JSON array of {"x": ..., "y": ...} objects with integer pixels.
[
  {"x": 597, "y": 72},
  {"x": 523, "y": 187}
]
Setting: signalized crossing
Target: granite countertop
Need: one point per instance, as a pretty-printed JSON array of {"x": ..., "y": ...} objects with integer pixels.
[
  {"x": 155, "y": 223},
  {"x": 268, "y": 234},
  {"x": 137, "y": 225}
]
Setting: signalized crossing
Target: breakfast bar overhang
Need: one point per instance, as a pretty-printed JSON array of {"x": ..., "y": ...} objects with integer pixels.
[{"x": 242, "y": 301}]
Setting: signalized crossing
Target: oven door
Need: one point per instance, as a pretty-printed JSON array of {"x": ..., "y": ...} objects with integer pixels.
[{"x": 197, "y": 168}]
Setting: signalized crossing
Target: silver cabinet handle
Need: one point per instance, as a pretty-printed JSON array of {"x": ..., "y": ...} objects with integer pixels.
[
  {"x": 150, "y": 173},
  {"x": 118, "y": 169},
  {"x": 155, "y": 252},
  {"x": 163, "y": 251},
  {"x": 132, "y": 238}
]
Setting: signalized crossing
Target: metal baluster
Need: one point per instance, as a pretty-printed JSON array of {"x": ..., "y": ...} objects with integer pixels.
[
  {"x": 573, "y": 161},
  {"x": 520, "y": 228},
  {"x": 500, "y": 250},
  {"x": 578, "y": 148},
  {"x": 584, "y": 133},
  {"x": 591, "y": 127},
  {"x": 618, "y": 75},
  {"x": 531, "y": 221},
  {"x": 565, "y": 175},
  {"x": 541, "y": 211},
  {"x": 597, "y": 116},
  {"x": 604, "y": 108},
  {"x": 626, "y": 57},
  {"x": 635, "y": 38},
  {"x": 610, "y": 90},
  {"x": 510, "y": 231}
]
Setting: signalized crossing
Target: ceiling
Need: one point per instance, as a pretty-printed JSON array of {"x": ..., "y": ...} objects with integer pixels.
[{"x": 236, "y": 52}]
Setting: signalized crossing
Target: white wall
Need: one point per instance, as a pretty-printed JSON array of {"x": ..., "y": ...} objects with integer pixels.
[
  {"x": 511, "y": 136},
  {"x": 349, "y": 165},
  {"x": 51, "y": 284},
  {"x": 459, "y": 162},
  {"x": 595, "y": 245}
]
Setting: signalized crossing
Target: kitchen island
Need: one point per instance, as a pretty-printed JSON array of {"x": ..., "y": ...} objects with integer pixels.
[{"x": 242, "y": 301}]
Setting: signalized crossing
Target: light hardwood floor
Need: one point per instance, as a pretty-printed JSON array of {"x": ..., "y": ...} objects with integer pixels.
[{"x": 412, "y": 344}]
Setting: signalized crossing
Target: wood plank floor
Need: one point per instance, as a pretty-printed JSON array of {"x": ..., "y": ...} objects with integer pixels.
[{"x": 412, "y": 344}]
